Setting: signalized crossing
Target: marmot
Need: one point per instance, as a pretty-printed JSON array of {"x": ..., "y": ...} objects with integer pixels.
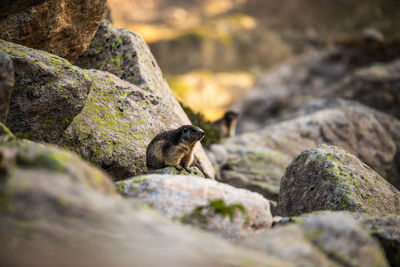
[
  {"x": 227, "y": 124},
  {"x": 173, "y": 148}
]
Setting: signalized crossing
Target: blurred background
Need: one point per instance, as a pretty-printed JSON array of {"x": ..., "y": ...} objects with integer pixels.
[{"x": 212, "y": 53}]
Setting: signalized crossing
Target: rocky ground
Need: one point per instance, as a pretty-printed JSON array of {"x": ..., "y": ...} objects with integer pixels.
[{"x": 312, "y": 178}]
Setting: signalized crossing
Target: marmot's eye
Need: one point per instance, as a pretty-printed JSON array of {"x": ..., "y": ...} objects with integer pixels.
[{"x": 184, "y": 130}]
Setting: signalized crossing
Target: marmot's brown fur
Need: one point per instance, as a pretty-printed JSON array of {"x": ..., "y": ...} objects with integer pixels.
[
  {"x": 227, "y": 124},
  {"x": 173, "y": 148}
]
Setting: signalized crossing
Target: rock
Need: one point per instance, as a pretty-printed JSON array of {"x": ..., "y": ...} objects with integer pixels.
[
  {"x": 48, "y": 93},
  {"x": 6, "y": 85},
  {"x": 5, "y": 134},
  {"x": 370, "y": 135},
  {"x": 117, "y": 123},
  {"x": 219, "y": 208},
  {"x": 126, "y": 55},
  {"x": 61, "y": 27},
  {"x": 52, "y": 216},
  {"x": 8, "y": 7},
  {"x": 328, "y": 178},
  {"x": 334, "y": 239},
  {"x": 25, "y": 158},
  {"x": 332, "y": 73},
  {"x": 287, "y": 88},
  {"x": 377, "y": 86},
  {"x": 106, "y": 120},
  {"x": 256, "y": 169},
  {"x": 173, "y": 171},
  {"x": 387, "y": 230}
]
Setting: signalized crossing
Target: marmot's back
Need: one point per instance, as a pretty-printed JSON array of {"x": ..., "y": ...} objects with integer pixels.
[{"x": 154, "y": 156}]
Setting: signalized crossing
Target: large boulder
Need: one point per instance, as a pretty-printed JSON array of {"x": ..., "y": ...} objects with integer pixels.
[
  {"x": 56, "y": 210},
  {"x": 105, "y": 119},
  {"x": 48, "y": 93},
  {"x": 230, "y": 212},
  {"x": 328, "y": 178},
  {"x": 126, "y": 55},
  {"x": 372, "y": 136},
  {"x": 117, "y": 123},
  {"x": 335, "y": 239},
  {"x": 61, "y": 27},
  {"x": 6, "y": 85}
]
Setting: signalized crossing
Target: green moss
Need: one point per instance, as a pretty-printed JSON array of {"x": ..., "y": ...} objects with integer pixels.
[
  {"x": 48, "y": 122},
  {"x": 63, "y": 202},
  {"x": 314, "y": 234},
  {"x": 120, "y": 187},
  {"x": 26, "y": 135},
  {"x": 296, "y": 219},
  {"x": 139, "y": 180},
  {"x": 218, "y": 206}
]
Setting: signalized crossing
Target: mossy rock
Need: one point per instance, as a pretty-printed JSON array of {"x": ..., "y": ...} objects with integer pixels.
[
  {"x": 48, "y": 93},
  {"x": 18, "y": 156},
  {"x": 328, "y": 178},
  {"x": 127, "y": 56},
  {"x": 222, "y": 209},
  {"x": 117, "y": 123}
]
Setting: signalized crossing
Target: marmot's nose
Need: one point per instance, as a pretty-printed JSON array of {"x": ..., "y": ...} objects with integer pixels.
[{"x": 202, "y": 133}]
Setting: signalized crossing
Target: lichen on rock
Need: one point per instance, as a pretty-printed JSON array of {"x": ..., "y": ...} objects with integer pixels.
[
  {"x": 227, "y": 211},
  {"x": 48, "y": 93},
  {"x": 328, "y": 178},
  {"x": 23, "y": 155}
]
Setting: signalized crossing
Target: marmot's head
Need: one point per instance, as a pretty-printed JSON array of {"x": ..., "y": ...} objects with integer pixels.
[
  {"x": 231, "y": 115},
  {"x": 189, "y": 134}
]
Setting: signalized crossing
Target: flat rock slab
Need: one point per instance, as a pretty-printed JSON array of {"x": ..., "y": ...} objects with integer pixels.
[
  {"x": 329, "y": 178},
  {"x": 230, "y": 212}
]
